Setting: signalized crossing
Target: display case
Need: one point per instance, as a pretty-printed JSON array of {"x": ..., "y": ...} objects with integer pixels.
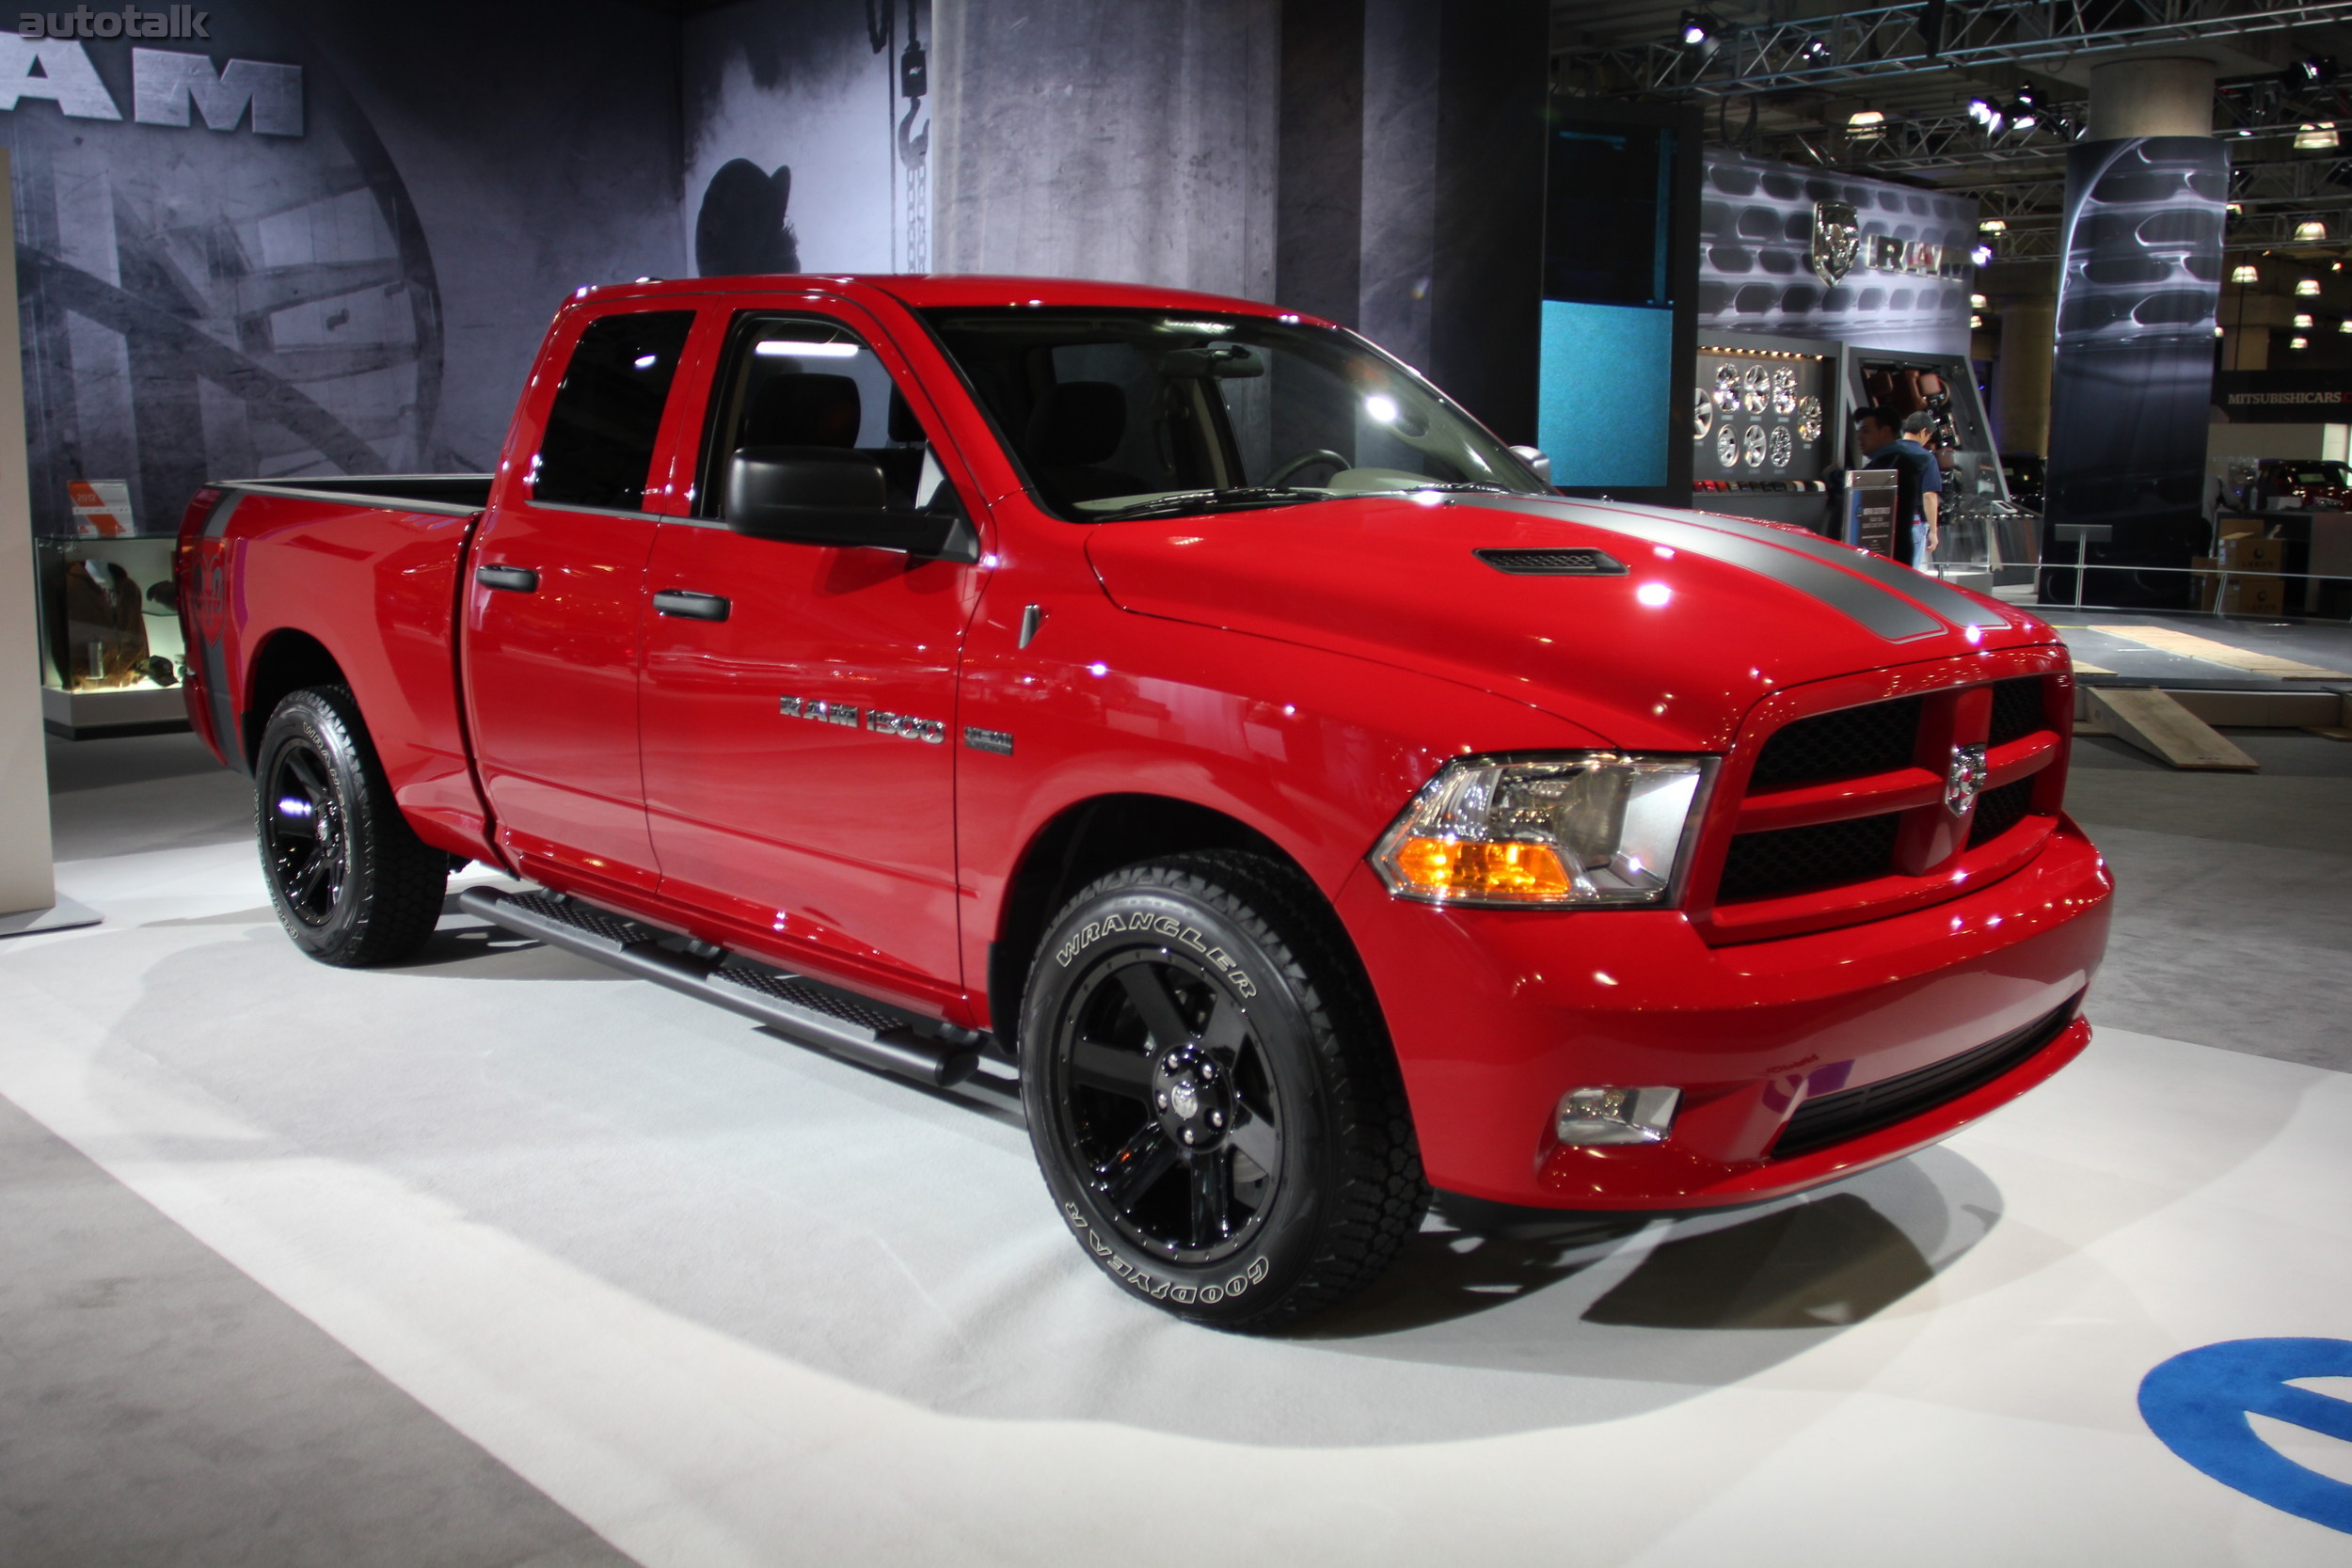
[
  {"x": 1764, "y": 424},
  {"x": 111, "y": 659}
]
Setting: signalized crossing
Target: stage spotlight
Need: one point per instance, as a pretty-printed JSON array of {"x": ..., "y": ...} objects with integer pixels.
[
  {"x": 1816, "y": 50},
  {"x": 1982, "y": 256},
  {"x": 1699, "y": 30},
  {"x": 2312, "y": 71}
]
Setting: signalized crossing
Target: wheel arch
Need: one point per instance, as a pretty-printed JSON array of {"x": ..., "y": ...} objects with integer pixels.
[
  {"x": 286, "y": 660},
  {"x": 1088, "y": 838}
]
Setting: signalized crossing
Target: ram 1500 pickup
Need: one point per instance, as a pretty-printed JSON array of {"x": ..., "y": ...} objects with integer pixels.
[{"x": 1181, "y": 701}]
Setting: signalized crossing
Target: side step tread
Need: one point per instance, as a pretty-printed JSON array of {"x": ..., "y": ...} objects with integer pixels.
[{"x": 815, "y": 1014}]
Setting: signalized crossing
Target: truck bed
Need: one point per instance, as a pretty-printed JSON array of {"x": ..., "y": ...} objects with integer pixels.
[{"x": 435, "y": 492}]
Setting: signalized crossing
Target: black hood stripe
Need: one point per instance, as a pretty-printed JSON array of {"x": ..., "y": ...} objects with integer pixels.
[
  {"x": 1876, "y": 607},
  {"x": 1942, "y": 598}
]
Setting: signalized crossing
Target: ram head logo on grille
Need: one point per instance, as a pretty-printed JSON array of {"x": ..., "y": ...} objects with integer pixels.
[{"x": 1964, "y": 779}]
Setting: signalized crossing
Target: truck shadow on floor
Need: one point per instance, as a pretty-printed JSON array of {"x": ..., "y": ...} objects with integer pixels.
[{"x": 1801, "y": 1268}]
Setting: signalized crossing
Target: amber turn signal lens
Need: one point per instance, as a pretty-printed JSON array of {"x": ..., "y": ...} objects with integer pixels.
[{"x": 1456, "y": 868}]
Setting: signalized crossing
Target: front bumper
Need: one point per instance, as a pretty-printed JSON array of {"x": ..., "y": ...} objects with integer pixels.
[{"x": 1496, "y": 1013}]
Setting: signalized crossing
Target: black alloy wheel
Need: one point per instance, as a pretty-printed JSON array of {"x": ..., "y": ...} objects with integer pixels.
[
  {"x": 352, "y": 883},
  {"x": 1212, "y": 1099},
  {"x": 302, "y": 834},
  {"x": 1168, "y": 1100}
]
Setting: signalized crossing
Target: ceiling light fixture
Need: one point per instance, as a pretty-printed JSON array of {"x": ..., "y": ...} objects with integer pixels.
[
  {"x": 2310, "y": 231},
  {"x": 2316, "y": 138},
  {"x": 2299, "y": 342},
  {"x": 1992, "y": 226},
  {"x": 2307, "y": 288},
  {"x": 1976, "y": 302},
  {"x": 1866, "y": 120},
  {"x": 2303, "y": 320},
  {"x": 2244, "y": 273}
]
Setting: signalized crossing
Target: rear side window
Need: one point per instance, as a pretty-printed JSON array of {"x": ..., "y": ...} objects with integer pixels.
[{"x": 598, "y": 444}]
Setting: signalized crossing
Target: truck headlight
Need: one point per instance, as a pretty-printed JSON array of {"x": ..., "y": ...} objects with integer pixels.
[{"x": 1568, "y": 829}]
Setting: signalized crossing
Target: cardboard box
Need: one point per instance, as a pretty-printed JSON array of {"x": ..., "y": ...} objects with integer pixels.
[
  {"x": 2245, "y": 552},
  {"x": 2253, "y": 596}
]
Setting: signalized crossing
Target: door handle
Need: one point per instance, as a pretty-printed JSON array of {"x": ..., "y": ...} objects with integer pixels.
[
  {"x": 689, "y": 605},
  {"x": 514, "y": 579}
]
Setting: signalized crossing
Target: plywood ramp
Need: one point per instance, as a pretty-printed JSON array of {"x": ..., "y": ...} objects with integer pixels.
[
  {"x": 2187, "y": 645},
  {"x": 2153, "y": 721}
]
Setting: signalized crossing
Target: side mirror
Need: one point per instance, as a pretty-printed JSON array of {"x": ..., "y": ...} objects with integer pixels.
[
  {"x": 828, "y": 496},
  {"x": 1534, "y": 458}
]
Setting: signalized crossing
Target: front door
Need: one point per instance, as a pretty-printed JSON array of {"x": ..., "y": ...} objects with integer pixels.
[
  {"x": 799, "y": 699},
  {"x": 554, "y": 609}
]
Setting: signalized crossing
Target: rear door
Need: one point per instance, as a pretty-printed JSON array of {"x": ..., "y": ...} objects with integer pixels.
[
  {"x": 799, "y": 699},
  {"x": 555, "y": 603}
]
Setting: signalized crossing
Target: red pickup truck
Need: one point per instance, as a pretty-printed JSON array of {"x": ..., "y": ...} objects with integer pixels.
[{"x": 1181, "y": 703}]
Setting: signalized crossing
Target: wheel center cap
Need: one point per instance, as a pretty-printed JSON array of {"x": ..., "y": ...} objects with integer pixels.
[{"x": 1189, "y": 1087}]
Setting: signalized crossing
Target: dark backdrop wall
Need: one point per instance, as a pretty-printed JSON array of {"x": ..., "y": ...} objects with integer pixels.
[{"x": 334, "y": 256}]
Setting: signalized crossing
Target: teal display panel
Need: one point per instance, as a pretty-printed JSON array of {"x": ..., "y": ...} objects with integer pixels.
[{"x": 1605, "y": 372}]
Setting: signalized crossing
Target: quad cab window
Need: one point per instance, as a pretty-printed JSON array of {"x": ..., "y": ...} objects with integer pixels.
[
  {"x": 810, "y": 439},
  {"x": 598, "y": 444},
  {"x": 1130, "y": 413}
]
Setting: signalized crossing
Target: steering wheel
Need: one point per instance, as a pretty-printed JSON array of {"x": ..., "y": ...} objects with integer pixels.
[{"x": 1308, "y": 459}]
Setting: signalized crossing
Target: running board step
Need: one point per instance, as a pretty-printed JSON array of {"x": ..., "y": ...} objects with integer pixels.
[{"x": 811, "y": 1013}]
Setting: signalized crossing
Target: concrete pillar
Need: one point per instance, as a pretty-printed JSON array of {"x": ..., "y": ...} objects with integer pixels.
[
  {"x": 1134, "y": 143},
  {"x": 27, "y": 891},
  {"x": 2151, "y": 98}
]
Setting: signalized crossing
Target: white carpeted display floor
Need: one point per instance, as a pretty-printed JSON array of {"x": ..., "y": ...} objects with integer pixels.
[{"x": 732, "y": 1301}]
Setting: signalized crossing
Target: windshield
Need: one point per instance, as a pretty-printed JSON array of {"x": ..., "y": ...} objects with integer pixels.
[
  {"x": 2312, "y": 473},
  {"x": 1136, "y": 413}
]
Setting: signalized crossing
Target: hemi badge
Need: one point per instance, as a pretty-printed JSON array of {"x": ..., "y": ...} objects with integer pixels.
[{"x": 998, "y": 741}]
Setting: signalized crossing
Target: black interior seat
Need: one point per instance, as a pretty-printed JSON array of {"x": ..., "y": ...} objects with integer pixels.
[
  {"x": 1075, "y": 428},
  {"x": 802, "y": 409}
]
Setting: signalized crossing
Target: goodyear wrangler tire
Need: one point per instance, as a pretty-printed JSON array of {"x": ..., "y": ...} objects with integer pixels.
[
  {"x": 352, "y": 883},
  {"x": 1211, "y": 1099}
]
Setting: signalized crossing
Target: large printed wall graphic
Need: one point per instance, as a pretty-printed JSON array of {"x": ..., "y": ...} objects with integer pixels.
[
  {"x": 2130, "y": 394},
  {"x": 326, "y": 238},
  {"x": 1812, "y": 253},
  {"x": 808, "y": 137}
]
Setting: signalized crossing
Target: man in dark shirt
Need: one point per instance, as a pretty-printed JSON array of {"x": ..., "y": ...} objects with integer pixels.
[{"x": 1895, "y": 442}]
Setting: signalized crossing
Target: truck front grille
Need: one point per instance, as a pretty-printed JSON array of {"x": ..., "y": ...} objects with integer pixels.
[{"x": 1845, "y": 813}]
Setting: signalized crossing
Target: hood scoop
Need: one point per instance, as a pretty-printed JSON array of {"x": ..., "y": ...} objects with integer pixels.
[{"x": 1554, "y": 564}]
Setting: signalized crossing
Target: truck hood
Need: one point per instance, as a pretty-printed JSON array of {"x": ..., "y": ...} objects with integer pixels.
[{"x": 1709, "y": 614}]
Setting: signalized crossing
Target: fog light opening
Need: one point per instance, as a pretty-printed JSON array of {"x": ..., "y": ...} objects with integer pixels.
[{"x": 1616, "y": 1116}]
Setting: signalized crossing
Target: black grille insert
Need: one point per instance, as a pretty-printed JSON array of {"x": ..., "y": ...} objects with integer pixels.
[
  {"x": 1999, "y": 810},
  {"x": 2017, "y": 709},
  {"x": 1554, "y": 564},
  {"x": 1834, "y": 1119},
  {"x": 1791, "y": 860},
  {"x": 1846, "y": 744}
]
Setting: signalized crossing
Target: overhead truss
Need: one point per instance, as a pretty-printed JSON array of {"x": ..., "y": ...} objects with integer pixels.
[{"x": 1886, "y": 41}]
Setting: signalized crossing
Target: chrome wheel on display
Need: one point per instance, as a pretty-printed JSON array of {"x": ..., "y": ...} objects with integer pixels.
[
  {"x": 1783, "y": 388},
  {"x": 1782, "y": 448},
  {"x": 1756, "y": 388},
  {"x": 1751, "y": 446},
  {"x": 1727, "y": 444},
  {"x": 1808, "y": 420},
  {"x": 1702, "y": 416}
]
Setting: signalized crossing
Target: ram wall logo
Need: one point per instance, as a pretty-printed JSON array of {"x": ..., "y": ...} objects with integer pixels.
[
  {"x": 168, "y": 87},
  {"x": 1836, "y": 240}
]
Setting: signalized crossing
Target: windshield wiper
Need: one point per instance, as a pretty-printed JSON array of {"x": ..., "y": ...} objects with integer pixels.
[{"x": 1239, "y": 499}]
